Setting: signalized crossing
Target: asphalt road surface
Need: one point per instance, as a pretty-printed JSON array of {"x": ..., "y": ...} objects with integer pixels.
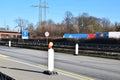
[{"x": 93, "y": 67}]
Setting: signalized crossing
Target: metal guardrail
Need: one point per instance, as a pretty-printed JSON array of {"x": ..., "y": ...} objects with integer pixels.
[{"x": 82, "y": 46}]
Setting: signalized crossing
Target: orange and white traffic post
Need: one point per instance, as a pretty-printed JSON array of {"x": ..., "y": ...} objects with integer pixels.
[{"x": 50, "y": 70}]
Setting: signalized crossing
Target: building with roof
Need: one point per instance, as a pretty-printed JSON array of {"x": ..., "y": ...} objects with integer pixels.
[{"x": 6, "y": 34}]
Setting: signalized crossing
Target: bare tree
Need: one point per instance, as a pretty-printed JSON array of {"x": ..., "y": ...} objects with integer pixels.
[
  {"x": 117, "y": 26},
  {"x": 69, "y": 21},
  {"x": 82, "y": 22},
  {"x": 106, "y": 24},
  {"x": 89, "y": 24},
  {"x": 21, "y": 23},
  {"x": 41, "y": 29}
]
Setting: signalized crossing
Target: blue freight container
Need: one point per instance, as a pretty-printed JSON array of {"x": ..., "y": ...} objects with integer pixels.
[
  {"x": 66, "y": 36},
  {"x": 105, "y": 34},
  {"x": 76, "y": 36},
  {"x": 70, "y": 35},
  {"x": 83, "y": 36},
  {"x": 102, "y": 35}
]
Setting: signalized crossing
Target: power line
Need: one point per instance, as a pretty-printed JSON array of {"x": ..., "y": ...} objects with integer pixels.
[{"x": 41, "y": 7}]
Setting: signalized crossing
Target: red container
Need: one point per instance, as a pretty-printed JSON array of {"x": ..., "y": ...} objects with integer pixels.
[{"x": 91, "y": 36}]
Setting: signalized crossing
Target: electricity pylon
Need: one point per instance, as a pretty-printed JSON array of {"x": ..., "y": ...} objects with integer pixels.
[{"x": 41, "y": 7}]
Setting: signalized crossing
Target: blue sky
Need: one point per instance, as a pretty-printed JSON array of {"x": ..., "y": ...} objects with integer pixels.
[{"x": 13, "y": 9}]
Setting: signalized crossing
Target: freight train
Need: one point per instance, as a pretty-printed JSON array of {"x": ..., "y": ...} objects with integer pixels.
[{"x": 96, "y": 35}]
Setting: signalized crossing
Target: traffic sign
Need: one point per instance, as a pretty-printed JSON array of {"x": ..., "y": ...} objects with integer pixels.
[
  {"x": 47, "y": 34},
  {"x": 25, "y": 34}
]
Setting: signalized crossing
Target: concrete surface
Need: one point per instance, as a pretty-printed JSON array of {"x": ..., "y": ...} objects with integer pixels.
[{"x": 20, "y": 71}]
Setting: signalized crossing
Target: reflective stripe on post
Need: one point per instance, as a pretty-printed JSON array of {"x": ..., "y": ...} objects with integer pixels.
[
  {"x": 76, "y": 49},
  {"x": 50, "y": 60},
  {"x": 9, "y": 44}
]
